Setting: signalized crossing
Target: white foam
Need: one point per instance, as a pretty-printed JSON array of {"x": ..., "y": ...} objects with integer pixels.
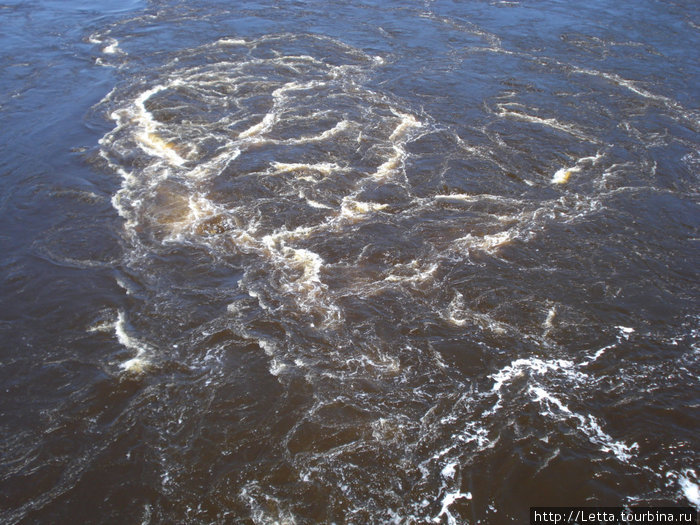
[
  {"x": 391, "y": 164},
  {"x": 625, "y": 331},
  {"x": 147, "y": 511},
  {"x": 592, "y": 159},
  {"x": 385, "y": 429},
  {"x": 549, "y": 322},
  {"x": 534, "y": 365},
  {"x": 232, "y": 41},
  {"x": 455, "y": 307},
  {"x": 101, "y": 327},
  {"x": 310, "y": 262},
  {"x": 136, "y": 365},
  {"x": 313, "y": 203},
  {"x": 690, "y": 489},
  {"x": 261, "y": 127},
  {"x": 542, "y": 395},
  {"x": 301, "y": 268},
  {"x": 458, "y": 314},
  {"x": 447, "y": 500},
  {"x": 448, "y": 472},
  {"x": 620, "y": 450},
  {"x": 488, "y": 243},
  {"x": 277, "y": 367},
  {"x": 195, "y": 210},
  {"x": 339, "y": 127},
  {"x": 505, "y": 111},
  {"x": 265, "y": 508},
  {"x": 628, "y": 84},
  {"x": 587, "y": 424},
  {"x": 562, "y": 175},
  {"x": 139, "y": 363},
  {"x": 280, "y": 93},
  {"x": 458, "y": 197},
  {"x": 201, "y": 207},
  {"x": 600, "y": 352},
  {"x": 354, "y": 210},
  {"x": 147, "y": 128},
  {"x": 325, "y": 168},
  {"x": 113, "y": 47},
  {"x": 407, "y": 122},
  {"x": 268, "y": 347}
]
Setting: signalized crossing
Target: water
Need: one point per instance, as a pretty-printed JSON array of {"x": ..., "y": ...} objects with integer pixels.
[{"x": 292, "y": 262}]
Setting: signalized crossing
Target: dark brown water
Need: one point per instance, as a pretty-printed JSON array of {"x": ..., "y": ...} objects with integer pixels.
[{"x": 298, "y": 262}]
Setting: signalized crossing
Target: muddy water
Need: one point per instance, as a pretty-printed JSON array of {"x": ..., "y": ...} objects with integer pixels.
[{"x": 381, "y": 263}]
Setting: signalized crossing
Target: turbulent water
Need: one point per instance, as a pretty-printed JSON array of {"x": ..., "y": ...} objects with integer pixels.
[{"x": 377, "y": 262}]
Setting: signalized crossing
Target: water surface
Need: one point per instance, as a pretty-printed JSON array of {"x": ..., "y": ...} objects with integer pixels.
[{"x": 387, "y": 262}]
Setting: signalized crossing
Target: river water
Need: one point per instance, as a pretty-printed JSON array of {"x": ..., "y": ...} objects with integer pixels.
[{"x": 370, "y": 262}]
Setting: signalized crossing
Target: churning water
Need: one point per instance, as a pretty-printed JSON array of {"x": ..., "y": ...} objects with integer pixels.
[{"x": 378, "y": 262}]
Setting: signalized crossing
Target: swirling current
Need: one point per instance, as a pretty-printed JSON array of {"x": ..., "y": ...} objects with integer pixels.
[{"x": 299, "y": 262}]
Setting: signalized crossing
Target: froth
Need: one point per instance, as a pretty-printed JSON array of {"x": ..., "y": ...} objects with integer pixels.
[
  {"x": 512, "y": 110},
  {"x": 552, "y": 406},
  {"x": 690, "y": 489},
  {"x": 139, "y": 363},
  {"x": 258, "y": 129},
  {"x": 407, "y": 122},
  {"x": 563, "y": 175},
  {"x": 587, "y": 424},
  {"x": 325, "y": 168},
  {"x": 447, "y": 500},
  {"x": 354, "y": 210}
]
